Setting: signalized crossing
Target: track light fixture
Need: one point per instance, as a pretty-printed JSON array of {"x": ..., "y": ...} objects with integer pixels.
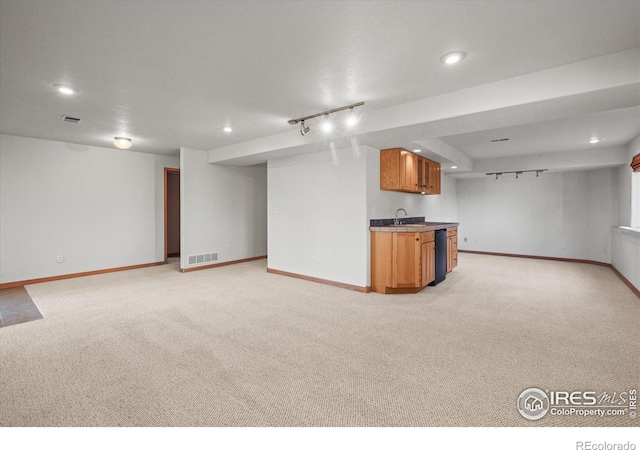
[
  {"x": 326, "y": 126},
  {"x": 518, "y": 172}
]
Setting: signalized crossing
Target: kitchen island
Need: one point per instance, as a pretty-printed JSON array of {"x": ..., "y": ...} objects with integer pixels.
[{"x": 409, "y": 255}]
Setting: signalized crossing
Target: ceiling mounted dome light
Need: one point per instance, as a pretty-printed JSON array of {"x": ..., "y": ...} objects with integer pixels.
[
  {"x": 122, "y": 142},
  {"x": 66, "y": 90},
  {"x": 453, "y": 57}
]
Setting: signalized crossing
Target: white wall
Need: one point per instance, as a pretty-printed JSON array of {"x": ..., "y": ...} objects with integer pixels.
[
  {"x": 624, "y": 195},
  {"x": 318, "y": 215},
  {"x": 536, "y": 216},
  {"x": 626, "y": 253},
  {"x": 223, "y": 209},
  {"x": 96, "y": 207},
  {"x": 625, "y": 242}
]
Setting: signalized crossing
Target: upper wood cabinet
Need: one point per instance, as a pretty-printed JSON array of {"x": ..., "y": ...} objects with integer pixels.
[{"x": 404, "y": 171}]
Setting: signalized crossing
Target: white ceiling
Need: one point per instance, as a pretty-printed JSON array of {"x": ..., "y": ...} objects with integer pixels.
[
  {"x": 616, "y": 127},
  {"x": 171, "y": 74}
]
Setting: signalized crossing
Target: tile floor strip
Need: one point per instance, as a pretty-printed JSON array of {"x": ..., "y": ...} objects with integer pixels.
[{"x": 16, "y": 306}]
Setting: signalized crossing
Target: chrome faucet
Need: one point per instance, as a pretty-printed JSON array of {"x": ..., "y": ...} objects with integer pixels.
[{"x": 397, "y": 221}]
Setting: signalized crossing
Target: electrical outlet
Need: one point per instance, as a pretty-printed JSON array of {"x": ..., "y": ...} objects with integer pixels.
[
  {"x": 228, "y": 246},
  {"x": 465, "y": 239},
  {"x": 564, "y": 245},
  {"x": 605, "y": 249},
  {"x": 478, "y": 240},
  {"x": 60, "y": 258}
]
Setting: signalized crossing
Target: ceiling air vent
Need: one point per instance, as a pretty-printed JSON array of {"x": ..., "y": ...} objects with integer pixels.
[
  {"x": 499, "y": 140},
  {"x": 70, "y": 119}
]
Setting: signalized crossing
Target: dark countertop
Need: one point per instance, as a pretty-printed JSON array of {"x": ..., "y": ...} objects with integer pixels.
[{"x": 409, "y": 225}]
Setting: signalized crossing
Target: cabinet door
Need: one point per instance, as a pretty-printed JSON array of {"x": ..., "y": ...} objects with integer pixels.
[
  {"x": 437, "y": 182},
  {"x": 428, "y": 263},
  {"x": 423, "y": 175},
  {"x": 434, "y": 178},
  {"x": 407, "y": 251},
  {"x": 390, "y": 169},
  {"x": 408, "y": 171},
  {"x": 454, "y": 251},
  {"x": 449, "y": 254}
]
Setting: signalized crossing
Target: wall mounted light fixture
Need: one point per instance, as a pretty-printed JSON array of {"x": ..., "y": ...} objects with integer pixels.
[
  {"x": 351, "y": 120},
  {"x": 518, "y": 172}
]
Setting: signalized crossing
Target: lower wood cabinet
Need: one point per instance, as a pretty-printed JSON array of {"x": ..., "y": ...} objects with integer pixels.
[
  {"x": 428, "y": 263},
  {"x": 452, "y": 248},
  {"x": 402, "y": 262}
]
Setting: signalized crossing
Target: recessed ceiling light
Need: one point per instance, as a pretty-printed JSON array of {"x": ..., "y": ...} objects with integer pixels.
[
  {"x": 594, "y": 140},
  {"x": 122, "y": 142},
  {"x": 66, "y": 90},
  {"x": 227, "y": 129},
  {"x": 417, "y": 150},
  {"x": 454, "y": 167},
  {"x": 453, "y": 57}
]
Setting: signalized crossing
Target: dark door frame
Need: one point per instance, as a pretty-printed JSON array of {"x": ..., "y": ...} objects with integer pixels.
[{"x": 167, "y": 170}]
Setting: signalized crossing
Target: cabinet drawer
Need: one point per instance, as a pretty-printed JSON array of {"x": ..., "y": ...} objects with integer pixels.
[
  {"x": 452, "y": 231},
  {"x": 427, "y": 236}
]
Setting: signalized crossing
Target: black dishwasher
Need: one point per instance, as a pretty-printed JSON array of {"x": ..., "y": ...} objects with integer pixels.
[{"x": 441, "y": 257}]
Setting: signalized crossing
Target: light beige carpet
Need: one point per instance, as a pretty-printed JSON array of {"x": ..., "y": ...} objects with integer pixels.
[{"x": 235, "y": 346}]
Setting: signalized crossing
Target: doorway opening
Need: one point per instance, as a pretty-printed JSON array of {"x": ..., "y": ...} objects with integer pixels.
[{"x": 171, "y": 215}]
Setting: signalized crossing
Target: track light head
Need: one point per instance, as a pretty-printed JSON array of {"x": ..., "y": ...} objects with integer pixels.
[
  {"x": 303, "y": 129},
  {"x": 326, "y": 125},
  {"x": 352, "y": 119}
]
